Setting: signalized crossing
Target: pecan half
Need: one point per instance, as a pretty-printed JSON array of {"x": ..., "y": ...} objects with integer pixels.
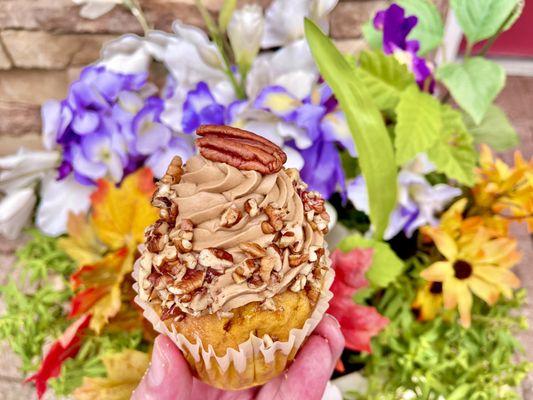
[{"x": 239, "y": 148}]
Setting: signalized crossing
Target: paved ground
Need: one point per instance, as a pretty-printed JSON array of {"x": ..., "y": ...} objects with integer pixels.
[{"x": 516, "y": 99}]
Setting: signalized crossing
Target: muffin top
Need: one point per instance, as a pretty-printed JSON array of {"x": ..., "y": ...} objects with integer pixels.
[{"x": 235, "y": 227}]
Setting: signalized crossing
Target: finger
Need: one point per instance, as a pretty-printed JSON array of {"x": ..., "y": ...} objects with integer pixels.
[
  {"x": 168, "y": 377},
  {"x": 312, "y": 368}
]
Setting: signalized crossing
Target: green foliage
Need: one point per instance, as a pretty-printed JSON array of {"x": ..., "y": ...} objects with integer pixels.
[
  {"x": 372, "y": 36},
  {"x": 376, "y": 156},
  {"x": 385, "y": 267},
  {"x": 454, "y": 153},
  {"x": 481, "y": 19},
  {"x": 430, "y": 29},
  {"x": 494, "y": 130},
  {"x": 384, "y": 77},
  {"x": 419, "y": 124},
  {"x": 87, "y": 362},
  {"x": 474, "y": 84},
  {"x": 41, "y": 256},
  {"x": 30, "y": 319},
  {"x": 439, "y": 357}
]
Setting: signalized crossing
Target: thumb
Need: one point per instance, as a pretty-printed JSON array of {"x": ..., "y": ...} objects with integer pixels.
[{"x": 168, "y": 377}]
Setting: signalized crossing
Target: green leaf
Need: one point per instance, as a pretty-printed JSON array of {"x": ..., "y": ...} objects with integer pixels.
[
  {"x": 494, "y": 130},
  {"x": 430, "y": 29},
  {"x": 419, "y": 124},
  {"x": 376, "y": 155},
  {"x": 474, "y": 84},
  {"x": 384, "y": 77},
  {"x": 372, "y": 36},
  {"x": 385, "y": 267},
  {"x": 225, "y": 14},
  {"x": 481, "y": 19},
  {"x": 454, "y": 153}
]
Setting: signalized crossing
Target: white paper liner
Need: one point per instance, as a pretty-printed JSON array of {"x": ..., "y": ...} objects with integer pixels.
[{"x": 252, "y": 348}]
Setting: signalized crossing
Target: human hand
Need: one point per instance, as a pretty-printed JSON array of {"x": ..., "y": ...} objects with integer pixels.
[{"x": 169, "y": 376}]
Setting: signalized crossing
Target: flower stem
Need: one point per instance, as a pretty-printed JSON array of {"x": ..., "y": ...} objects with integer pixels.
[
  {"x": 137, "y": 12},
  {"x": 217, "y": 37}
]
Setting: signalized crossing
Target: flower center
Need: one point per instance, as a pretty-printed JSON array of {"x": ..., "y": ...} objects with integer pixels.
[
  {"x": 462, "y": 269},
  {"x": 435, "y": 288}
]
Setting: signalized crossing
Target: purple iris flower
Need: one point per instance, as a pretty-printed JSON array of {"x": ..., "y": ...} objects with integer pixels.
[
  {"x": 200, "y": 107},
  {"x": 325, "y": 126},
  {"x": 107, "y": 127},
  {"x": 396, "y": 27}
]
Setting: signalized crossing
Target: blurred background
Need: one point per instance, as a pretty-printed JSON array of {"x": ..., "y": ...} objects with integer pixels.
[{"x": 45, "y": 43}]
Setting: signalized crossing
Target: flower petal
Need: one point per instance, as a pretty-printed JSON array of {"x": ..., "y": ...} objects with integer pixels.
[{"x": 438, "y": 272}]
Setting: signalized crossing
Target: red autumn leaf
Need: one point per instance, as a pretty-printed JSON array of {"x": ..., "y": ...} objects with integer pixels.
[
  {"x": 65, "y": 347},
  {"x": 358, "y": 323}
]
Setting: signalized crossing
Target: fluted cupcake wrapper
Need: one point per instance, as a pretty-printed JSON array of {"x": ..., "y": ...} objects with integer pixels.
[{"x": 255, "y": 362}]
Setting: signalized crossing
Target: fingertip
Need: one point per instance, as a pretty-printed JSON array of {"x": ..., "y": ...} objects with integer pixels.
[
  {"x": 168, "y": 376},
  {"x": 329, "y": 329}
]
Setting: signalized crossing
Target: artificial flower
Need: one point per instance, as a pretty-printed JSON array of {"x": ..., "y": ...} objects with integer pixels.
[
  {"x": 474, "y": 263},
  {"x": 291, "y": 67},
  {"x": 19, "y": 175},
  {"x": 503, "y": 190},
  {"x": 93, "y": 9},
  {"x": 124, "y": 371},
  {"x": 25, "y": 168},
  {"x": 245, "y": 30},
  {"x": 108, "y": 126},
  {"x": 15, "y": 211},
  {"x": 418, "y": 200},
  {"x": 428, "y": 301},
  {"x": 318, "y": 115},
  {"x": 200, "y": 107},
  {"x": 58, "y": 199},
  {"x": 66, "y": 346},
  {"x": 358, "y": 323},
  {"x": 284, "y": 19},
  {"x": 396, "y": 27}
]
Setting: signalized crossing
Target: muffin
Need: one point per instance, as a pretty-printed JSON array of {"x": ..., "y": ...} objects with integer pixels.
[{"x": 236, "y": 270}]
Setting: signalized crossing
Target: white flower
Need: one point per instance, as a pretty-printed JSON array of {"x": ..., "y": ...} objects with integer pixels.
[
  {"x": 284, "y": 21},
  {"x": 19, "y": 174},
  {"x": 127, "y": 55},
  {"x": 332, "y": 392},
  {"x": 418, "y": 201},
  {"x": 58, "y": 198},
  {"x": 93, "y": 9},
  {"x": 188, "y": 54},
  {"x": 292, "y": 67},
  {"x": 245, "y": 30},
  {"x": 15, "y": 211},
  {"x": 25, "y": 168}
]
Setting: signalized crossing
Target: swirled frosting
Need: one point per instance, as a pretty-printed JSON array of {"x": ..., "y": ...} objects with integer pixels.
[{"x": 205, "y": 191}]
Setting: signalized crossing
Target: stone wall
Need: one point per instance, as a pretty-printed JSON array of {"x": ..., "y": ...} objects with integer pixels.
[{"x": 44, "y": 43}]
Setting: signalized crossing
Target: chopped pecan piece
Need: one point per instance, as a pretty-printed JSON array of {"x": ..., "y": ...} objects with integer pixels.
[{"x": 230, "y": 217}]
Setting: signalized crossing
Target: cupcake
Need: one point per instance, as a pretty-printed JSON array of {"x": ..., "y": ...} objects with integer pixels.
[{"x": 236, "y": 270}]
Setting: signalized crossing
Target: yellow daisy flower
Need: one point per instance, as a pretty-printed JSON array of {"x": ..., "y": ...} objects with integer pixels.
[
  {"x": 475, "y": 263},
  {"x": 428, "y": 301},
  {"x": 501, "y": 189}
]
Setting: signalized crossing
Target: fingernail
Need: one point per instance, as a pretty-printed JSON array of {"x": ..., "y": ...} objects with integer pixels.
[
  {"x": 159, "y": 367},
  {"x": 332, "y": 318}
]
